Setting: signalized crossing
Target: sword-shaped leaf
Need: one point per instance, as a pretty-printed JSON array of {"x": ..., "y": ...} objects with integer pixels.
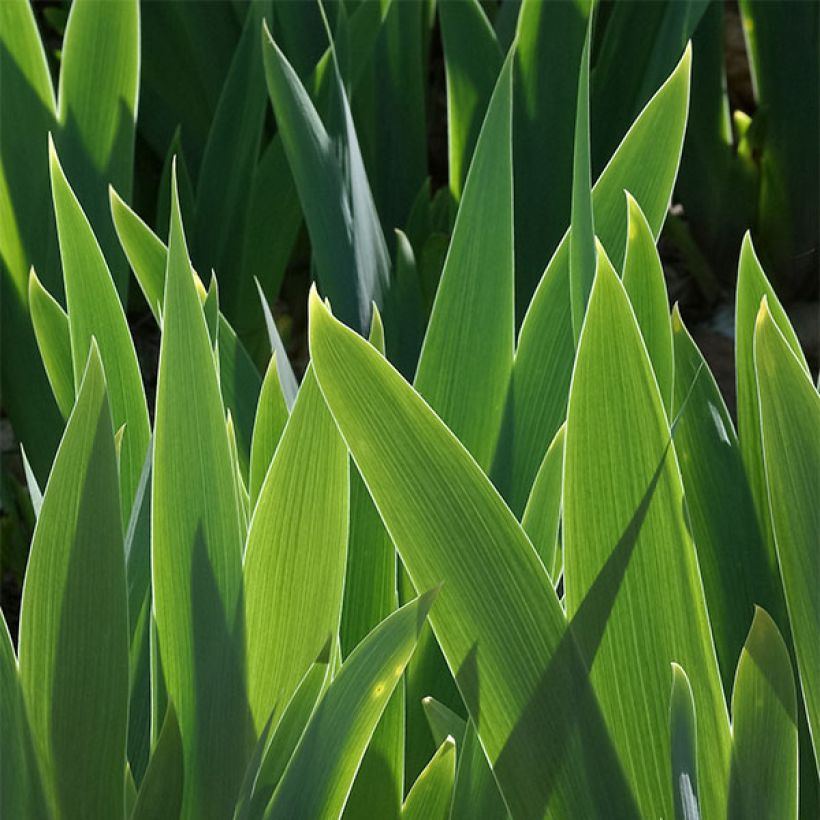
[
  {"x": 764, "y": 727},
  {"x": 74, "y": 617},
  {"x": 626, "y": 537},
  {"x": 790, "y": 427},
  {"x": 320, "y": 774},
  {"x": 431, "y": 794},
  {"x": 498, "y": 620},
  {"x": 197, "y": 549}
]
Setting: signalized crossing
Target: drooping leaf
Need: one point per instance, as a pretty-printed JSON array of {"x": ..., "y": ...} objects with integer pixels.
[
  {"x": 683, "y": 739},
  {"x": 466, "y": 358},
  {"x": 790, "y": 421},
  {"x": 50, "y": 324},
  {"x": 95, "y": 310},
  {"x": 321, "y": 771},
  {"x": 764, "y": 727},
  {"x": 74, "y": 617},
  {"x": 498, "y": 620},
  {"x": 295, "y": 553},
  {"x": 430, "y": 796},
  {"x": 197, "y": 549},
  {"x": 632, "y": 546},
  {"x": 644, "y": 164},
  {"x": 645, "y": 284}
]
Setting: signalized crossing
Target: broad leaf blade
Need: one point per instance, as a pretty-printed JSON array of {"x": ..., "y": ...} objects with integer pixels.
[
  {"x": 790, "y": 423},
  {"x": 645, "y": 164},
  {"x": 295, "y": 554},
  {"x": 320, "y": 774},
  {"x": 498, "y": 620},
  {"x": 94, "y": 310},
  {"x": 74, "y": 618},
  {"x": 466, "y": 359},
  {"x": 197, "y": 549},
  {"x": 432, "y": 792},
  {"x": 632, "y": 548},
  {"x": 764, "y": 727}
]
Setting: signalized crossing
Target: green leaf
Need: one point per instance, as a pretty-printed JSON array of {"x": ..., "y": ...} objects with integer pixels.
[
  {"x": 34, "y": 491},
  {"x": 197, "y": 549},
  {"x": 370, "y": 595},
  {"x": 50, "y": 324},
  {"x": 498, "y": 620},
  {"x": 466, "y": 359},
  {"x": 295, "y": 553},
  {"x": 97, "y": 111},
  {"x": 443, "y": 722},
  {"x": 654, "y": 37},
  {"x": 732, "y": 552},
  {"x": 683, "y": 738},
  {"x": 430, "y": 797},
  {"x": 161, "y": 790},
  {"x": 472, "y": 60},
  {"x": 27, "y": 236},
  {"x": 764, "y": 727},
  {"x": 290, "y": 726},
  {"x": 320, "y": 774},
  {"x": 548, "y": 45},
  {"x": 271, "y": 417},
  {"x": 94, "y": 310},
  {"x": 644, "y": 164},
  {"x": 287, "y": 379},
  {"x": 475, "y": 793},
  {"x": 645, "y": 284},
  {"x": 21, "y": 792},
  {"x": 239, "y": 379},
  {"x": 222, "y": 201},
  {"x": 543, "y": 511},
  {"x": 790, "y": 421},
  {"x": 582, "y": 230},
  {"x": 348, "y": 247},
  {"x": 752, "y": 286},
  {"x": 74, "y": 617},
  {"x": 632, "y": 545}
]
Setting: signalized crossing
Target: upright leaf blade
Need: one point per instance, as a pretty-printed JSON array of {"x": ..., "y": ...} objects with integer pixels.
[
  {"x": 497, "y": 620},
  {"x": 320, "y": 774},
  {"x": 74, "y": 621},
  {"x": 430, "y": 796},
  {"x": 94, "y": 310},
  {"x": 645, "y": 164},
  {"x": 633, "y": 545},
  {"x": 466, "y": 358},
  {"x": 790, "y": 423},
  {"x": 683, "y": 738},
  {"x": 197, "y": 549},
  {"x": 764, "y": 727},
  {"x": 97, "y": 111},
  {"x": 295, "y": 554}
]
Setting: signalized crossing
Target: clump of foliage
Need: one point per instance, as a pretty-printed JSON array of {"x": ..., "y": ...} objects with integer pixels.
[{"x": 468, "y": 566}]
